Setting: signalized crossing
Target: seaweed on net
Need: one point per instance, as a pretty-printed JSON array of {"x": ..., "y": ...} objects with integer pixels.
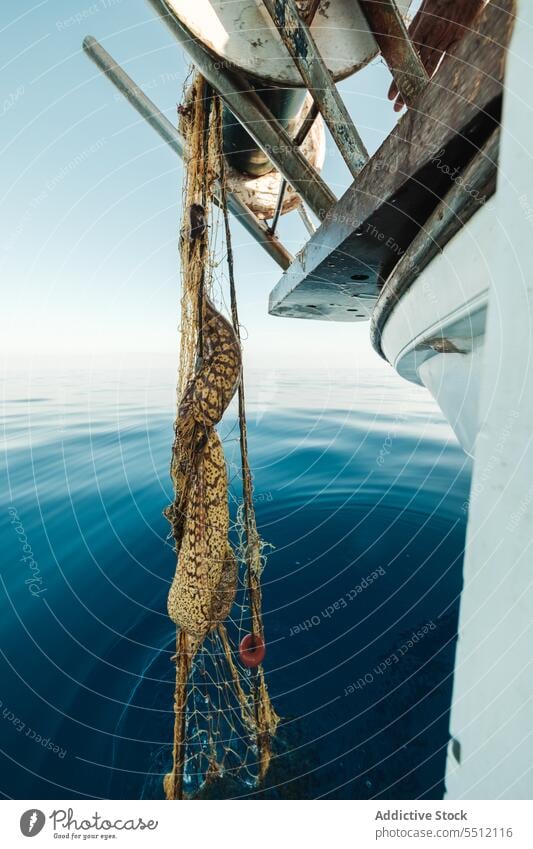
[{"x": 224, "y": 720}]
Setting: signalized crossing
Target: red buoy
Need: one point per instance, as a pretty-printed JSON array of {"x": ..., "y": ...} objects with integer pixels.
[{"x": 251, "y": 650}]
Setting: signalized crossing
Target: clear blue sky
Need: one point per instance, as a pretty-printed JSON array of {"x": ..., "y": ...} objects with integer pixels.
[{"x": 90, "y": 196}]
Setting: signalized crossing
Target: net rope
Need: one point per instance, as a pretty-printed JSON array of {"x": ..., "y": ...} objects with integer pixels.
[{"x": 224, "y": 720}]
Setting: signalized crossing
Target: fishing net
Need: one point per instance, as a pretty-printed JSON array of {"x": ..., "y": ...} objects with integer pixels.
[{"x": 224, "y": 720}]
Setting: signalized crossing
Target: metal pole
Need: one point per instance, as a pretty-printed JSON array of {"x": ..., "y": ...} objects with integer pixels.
[
  {"x": 124, "y": 83},
  {"x": 169, "y": 133},
  {"x": 254, "y": 116},
  {"x": 302, "y": 212},
  {"x": 279, "y": 205}
]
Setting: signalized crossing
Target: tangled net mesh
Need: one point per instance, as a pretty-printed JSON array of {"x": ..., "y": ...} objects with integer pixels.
[{"x": 224, "y": 720}]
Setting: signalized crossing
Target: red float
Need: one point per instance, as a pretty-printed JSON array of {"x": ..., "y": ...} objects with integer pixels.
[{"x": 251, "y": 650}]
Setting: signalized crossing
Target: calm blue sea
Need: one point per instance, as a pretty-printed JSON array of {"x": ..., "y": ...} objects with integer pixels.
[{"x": 360, "y": 488}]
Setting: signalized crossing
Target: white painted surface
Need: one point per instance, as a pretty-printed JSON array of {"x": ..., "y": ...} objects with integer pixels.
[
  {"x": 487, "y": 396},
  {"x": 492, "y": 714},
  {"x": 453, "y": 287},
  {"x": 454, "y": 381},
  {"x": 448, "y": 300},
  {"x": 242, "y": 33}
]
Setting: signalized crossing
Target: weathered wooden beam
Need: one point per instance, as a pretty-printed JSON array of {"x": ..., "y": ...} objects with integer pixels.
[
  {"x": 466, "y": 196},
  {"x": 298, "y": 40},
  {"x": 254, "y": 115},
  {"x": 387, "y": 23},
  {"x": 362, "y": 238}
]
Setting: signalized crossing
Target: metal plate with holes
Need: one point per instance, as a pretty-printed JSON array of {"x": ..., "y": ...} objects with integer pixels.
[
  {"x": 347, "y": 291},
  {"x": 242, "y": 34},
  {"x": 347, "y": 260}
]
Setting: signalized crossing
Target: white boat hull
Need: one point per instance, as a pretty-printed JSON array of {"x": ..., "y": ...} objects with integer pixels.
[
  {"x": 448, "y": 301},
  {"x": 478, "y": 295}
]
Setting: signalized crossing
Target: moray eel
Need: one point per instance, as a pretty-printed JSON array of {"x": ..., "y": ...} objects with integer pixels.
[
  {"x": 204, "y": 546},
  {"x": 205, "y": 581},
  {"x": 213, "y": 386},
  {"x": 202, "y": 406}
]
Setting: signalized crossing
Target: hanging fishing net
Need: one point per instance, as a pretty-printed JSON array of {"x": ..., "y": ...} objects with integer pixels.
[{"x": 224, "y": 721}]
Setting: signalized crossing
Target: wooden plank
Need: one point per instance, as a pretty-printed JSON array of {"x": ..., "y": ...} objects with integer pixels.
[
  {"x": 402, "y": 58},
  {"x": 467, "y": 195},
  {"x": 365, "y": 234},
  {"x": 298, "y": 40}
]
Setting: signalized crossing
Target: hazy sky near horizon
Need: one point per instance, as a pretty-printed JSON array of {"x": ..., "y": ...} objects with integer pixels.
[{"x": 90, "y": 196}]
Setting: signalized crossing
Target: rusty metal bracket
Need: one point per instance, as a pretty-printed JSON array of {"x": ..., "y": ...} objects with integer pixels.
[
  {"x": 168, "y": 132},
  {"x": 253, "y": 114},
  {"x": 402, "y": 58},
  {"x": 299, "y": 139},
  {"x": 301, "y": 45}
]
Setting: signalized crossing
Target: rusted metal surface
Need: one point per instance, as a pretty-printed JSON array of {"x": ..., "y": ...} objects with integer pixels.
[
  {"x": 301, "y": 45},
  {"x": 250, "y": 110},
  {"x": 340, "y": 272},
  {"x": 239, "y": 33},
  {"x": 168, "y": 132},
  {"x": 441, "y": 345},
  {"x": 299, "y": 139},
  {"x": 477, "y": 184},
  {"x": 309, "y": 10},
  {"x": 307, "y": 123},
  {"x": 399, "y": 52},
  {"x": 279, "y": 204}
]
